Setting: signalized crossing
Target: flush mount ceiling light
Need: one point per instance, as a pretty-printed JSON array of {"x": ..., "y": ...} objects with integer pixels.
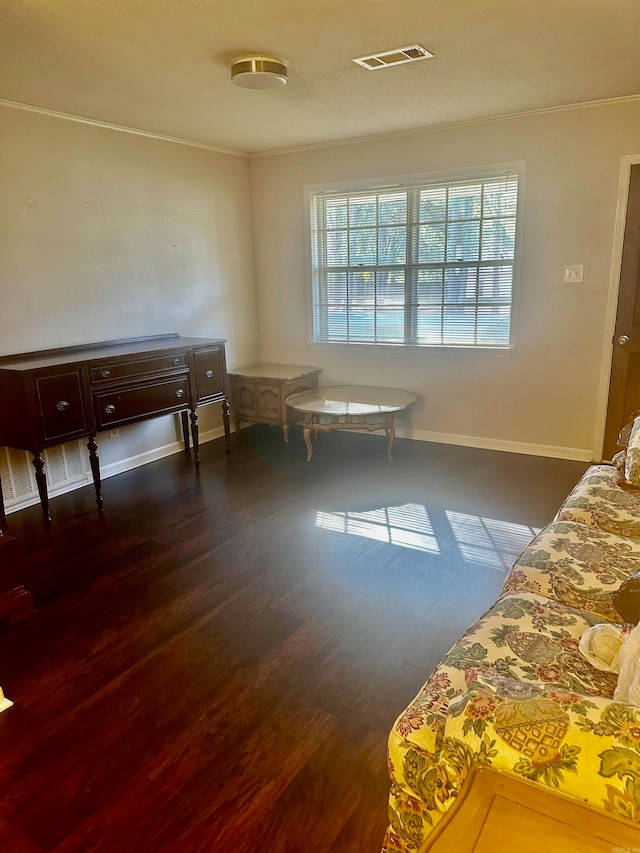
[
  {"x": 411, "y": 53},
  {"x": 259, "y": 72}
]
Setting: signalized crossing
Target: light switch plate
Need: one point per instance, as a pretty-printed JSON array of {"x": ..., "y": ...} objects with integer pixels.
[{"x": 573, "y": 273}]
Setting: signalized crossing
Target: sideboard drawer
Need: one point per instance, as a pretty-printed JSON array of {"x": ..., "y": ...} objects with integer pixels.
[
  {"x": 210, "y": 372},
  {"x": 119, "y": 406},
  {"x": 61, "y": 406},
  {"x": 129, "y": 369}
]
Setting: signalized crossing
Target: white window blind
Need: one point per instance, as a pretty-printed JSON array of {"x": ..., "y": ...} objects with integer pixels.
[{"x": 427, "y": 264}]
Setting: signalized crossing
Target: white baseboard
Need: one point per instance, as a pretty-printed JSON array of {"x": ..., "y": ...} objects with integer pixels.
[{"x": 575, "y": 454}]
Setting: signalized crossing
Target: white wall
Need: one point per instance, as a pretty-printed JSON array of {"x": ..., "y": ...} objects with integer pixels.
[
  {"x": 542, "y": 397},
  {"x": 105, "y": 235}
]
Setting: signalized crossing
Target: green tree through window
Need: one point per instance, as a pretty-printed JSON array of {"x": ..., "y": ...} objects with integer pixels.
[{"x": 421, "y": 264}]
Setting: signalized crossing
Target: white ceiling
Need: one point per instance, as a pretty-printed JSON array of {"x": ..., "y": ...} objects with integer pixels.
[{"x": 163, "y": 65}]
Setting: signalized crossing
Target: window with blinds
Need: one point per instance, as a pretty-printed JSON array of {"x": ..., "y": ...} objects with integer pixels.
[{"x": 428, "y": 264}]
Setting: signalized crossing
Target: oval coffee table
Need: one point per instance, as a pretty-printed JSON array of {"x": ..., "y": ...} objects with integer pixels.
[{"x": 363, "y": 407}]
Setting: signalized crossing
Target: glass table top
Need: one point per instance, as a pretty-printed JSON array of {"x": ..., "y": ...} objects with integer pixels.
[{"x": 343, "y": 400}]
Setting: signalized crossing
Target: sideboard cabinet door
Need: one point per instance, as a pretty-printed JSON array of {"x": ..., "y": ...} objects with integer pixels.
[
  {"x": 210, "y": 373},
  {"x": 61, "y": 405}
]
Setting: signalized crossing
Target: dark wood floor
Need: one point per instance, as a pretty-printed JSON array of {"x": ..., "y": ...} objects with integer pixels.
[{"x": 216, "y": 661}]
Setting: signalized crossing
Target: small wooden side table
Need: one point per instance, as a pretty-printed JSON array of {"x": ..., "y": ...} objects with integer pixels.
[
  {"x": 258, "y": 392},
  {"x": 496, "y": 811}
]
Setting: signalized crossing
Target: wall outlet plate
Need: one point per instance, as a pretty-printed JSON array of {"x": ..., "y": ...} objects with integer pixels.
[
  {"x": 114, "y": 433},
  {"x": 573, "y": 273}
]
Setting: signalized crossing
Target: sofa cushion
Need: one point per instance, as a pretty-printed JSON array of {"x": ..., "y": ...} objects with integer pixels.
[
  {"x": 576, "y": 564},
  {"x": 528, "y": 639},
  {"x": 599, "y": 501},
  {"x": 552, "y": 737}
]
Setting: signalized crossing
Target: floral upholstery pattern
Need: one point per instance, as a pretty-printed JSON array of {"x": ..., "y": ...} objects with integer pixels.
[
  {"x": 551, "y": 736},
  {"x": 578, "y": 565},
  {"x": 632, "y": 456},
  {"x": 599, "y": 501},
  {"x": 525, "y": 641}
]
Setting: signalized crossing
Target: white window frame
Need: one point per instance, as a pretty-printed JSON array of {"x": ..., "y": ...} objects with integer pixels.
[{"x": 437, "y": 178}]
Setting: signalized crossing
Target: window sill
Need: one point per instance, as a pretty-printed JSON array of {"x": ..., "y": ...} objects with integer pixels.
[{"x": 341, "y": 346}]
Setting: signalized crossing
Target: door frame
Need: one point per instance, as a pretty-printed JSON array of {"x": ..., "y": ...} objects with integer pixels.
[{"x": 626, "y": 163}]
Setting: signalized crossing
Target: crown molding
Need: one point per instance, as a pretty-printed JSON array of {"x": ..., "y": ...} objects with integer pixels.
[
  {"x": 450, "y": 126},
  {"x": 176, "y": 140}
]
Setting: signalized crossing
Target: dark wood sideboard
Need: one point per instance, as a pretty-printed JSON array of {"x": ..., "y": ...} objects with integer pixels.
[{"x": 58, "y": 395}]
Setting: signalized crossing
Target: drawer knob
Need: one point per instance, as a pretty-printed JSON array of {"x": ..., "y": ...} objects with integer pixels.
[
  {"x": 209, "y": 374},
  {"x": 110, "y": 409},
  {"x": 105, "y": 374},
  {"x": 179, "y": 393},
  {"x": 62, "y": 406},
  {"x": 176, "y": 361}
]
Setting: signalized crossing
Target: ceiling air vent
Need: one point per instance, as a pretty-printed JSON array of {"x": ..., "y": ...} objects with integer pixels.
[{"x": 411, "y": 53}]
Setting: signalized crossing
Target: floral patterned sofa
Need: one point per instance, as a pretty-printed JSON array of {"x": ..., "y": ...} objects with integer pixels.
[{"x": 515, "y": 692}]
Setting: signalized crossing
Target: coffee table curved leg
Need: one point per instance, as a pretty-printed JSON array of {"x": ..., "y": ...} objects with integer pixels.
[
  {"x": 306, "y": 434},
  {"x": 391, "y": 434}
]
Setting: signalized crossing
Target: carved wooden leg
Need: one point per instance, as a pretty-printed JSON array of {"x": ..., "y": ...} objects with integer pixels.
[
  {"x": 195, "y": 435},
  {"x": 185, "y": 429},
  {"x": 94, "y": 461},
  {"x": 391, "y": 434},
  {"x": 306, "y": 434},
  {"x": 41, "y": 480},
  {"x": 227, "y": 427}
]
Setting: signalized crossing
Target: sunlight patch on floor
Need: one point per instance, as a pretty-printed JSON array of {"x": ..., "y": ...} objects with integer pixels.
[
  {"x": 407, "y": 526},
  {"x": 488, "y": 541}
]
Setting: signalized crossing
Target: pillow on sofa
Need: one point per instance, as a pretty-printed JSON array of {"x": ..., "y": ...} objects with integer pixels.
[
  {"x": 632, "y": 455},
  {"x": 628, "y": 687},
  {"x": 618, "y": 459},
  {"x": 615, "y": 648}
]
